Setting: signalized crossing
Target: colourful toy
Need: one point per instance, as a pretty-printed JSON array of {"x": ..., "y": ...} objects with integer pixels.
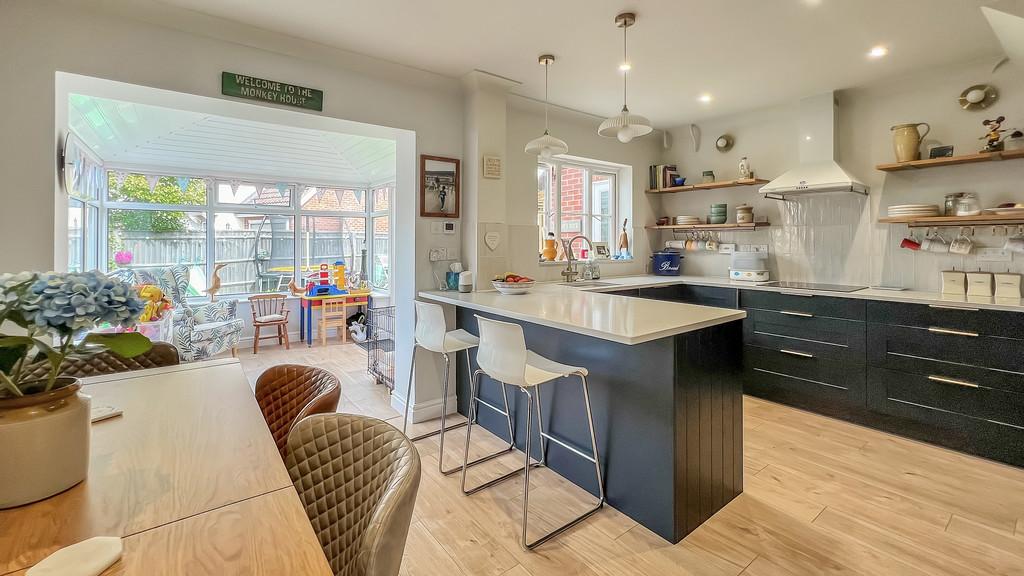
[
  {"x": 156, "y": 303},
  {"x": 339, "y": 274},
  {"x": 319, "y": 283}
]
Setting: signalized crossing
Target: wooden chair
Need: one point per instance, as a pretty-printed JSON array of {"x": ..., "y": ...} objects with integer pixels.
[
  {"x": 333, "y": 314},
  {"x": 287, "y": 393},
  {"x": 268, "y": 310}
]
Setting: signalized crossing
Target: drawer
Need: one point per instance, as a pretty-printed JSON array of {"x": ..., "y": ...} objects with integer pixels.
[
  {"x": 989, "y": 360},
  {"x": 828, "y": 306},
  {"x": 812, "y": 383},
  {"x": 954, "y": 317},
  {"x": 824, "y": 337},
  {"x": 702, "y": 295}
]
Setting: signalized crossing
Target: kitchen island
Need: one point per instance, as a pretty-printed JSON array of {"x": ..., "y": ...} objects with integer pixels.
[{"x": 666, "y": 390}]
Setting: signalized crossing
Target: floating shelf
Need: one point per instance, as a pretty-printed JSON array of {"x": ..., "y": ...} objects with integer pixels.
[
  {"x": 952, "y": 161},
  {"x": 709, "y": 186},
  {"x": 727, "y": 227},
  {"x": 956, "y": 221}
]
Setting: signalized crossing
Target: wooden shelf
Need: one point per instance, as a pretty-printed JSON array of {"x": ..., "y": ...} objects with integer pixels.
[
  {"x": 952, "y": 161},
  {"x": 727, "y": 227},
  {"x": 709, "y": 186},
  {"x": 930, "y": 221}
]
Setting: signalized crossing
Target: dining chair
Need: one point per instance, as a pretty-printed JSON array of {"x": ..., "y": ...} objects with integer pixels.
[
  {"x": 107, "y": 362},
  {"x": 269, "y": 311},
  {"x": 333, "y": 314},
  {"x": 287, "y": 393},
  {"x": 357, "y": 478}
]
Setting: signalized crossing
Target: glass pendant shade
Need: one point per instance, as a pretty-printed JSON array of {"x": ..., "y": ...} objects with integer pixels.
[{"x": 546, "y": 145}]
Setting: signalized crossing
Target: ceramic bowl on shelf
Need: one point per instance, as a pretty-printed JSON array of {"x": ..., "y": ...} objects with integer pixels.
[{"x": 513, "y": 288}]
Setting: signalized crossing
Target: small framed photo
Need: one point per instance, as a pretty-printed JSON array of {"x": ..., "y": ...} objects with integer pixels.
[
  {"x": 492, "y": 167},
  {"x": 940, "y": 151},
  {"x": 601, "y": 250},
  {"x": 439, "y": 187}
]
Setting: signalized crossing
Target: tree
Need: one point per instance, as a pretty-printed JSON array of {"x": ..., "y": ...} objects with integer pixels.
[{"x": 135, "y": 188}]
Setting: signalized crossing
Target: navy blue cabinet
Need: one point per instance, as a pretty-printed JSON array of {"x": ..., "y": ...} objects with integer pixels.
[{"x": 702, "y": 295}]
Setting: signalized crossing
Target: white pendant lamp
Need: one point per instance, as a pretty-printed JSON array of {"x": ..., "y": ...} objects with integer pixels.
[
  {"x": 547, "y": 145},
  {"x": 625, "y": 126}
]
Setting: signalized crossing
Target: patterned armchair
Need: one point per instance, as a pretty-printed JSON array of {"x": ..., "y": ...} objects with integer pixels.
[{"x": 200, "y": 330}]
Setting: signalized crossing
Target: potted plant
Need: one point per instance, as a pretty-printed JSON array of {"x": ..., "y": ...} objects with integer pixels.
[{"x": 44, "y": 423}]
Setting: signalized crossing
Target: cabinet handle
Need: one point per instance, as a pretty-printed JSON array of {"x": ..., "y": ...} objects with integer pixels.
[
  {"x": 952, "y": 332},
  {"x": 796, "y": 353},
  {"x": 792, "y": 313},
  {"x": 945, "y": 380},
  {"x": 941, "y": 307},
  {"x": 796, "y": 294}
]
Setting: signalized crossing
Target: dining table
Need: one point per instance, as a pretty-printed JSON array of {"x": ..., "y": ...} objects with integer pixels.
[{"x": 188, "y": 476}]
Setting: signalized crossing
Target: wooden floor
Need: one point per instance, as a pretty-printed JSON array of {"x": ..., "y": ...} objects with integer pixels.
[{"x": 821, "y": 497}]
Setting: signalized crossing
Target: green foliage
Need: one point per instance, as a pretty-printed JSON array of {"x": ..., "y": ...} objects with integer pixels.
[{"x": 135, "y": 188}]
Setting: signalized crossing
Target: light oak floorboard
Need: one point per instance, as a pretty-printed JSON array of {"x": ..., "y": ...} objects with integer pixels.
[{"x": 821, "y": 496}]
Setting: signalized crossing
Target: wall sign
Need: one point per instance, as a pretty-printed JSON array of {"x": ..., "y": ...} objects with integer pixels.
[
  {"x": 492, "y": 166},
  {"x": 242, "y": 86}
]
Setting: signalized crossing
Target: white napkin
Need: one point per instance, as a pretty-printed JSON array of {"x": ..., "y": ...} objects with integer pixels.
[{"x": 86, "y": 558}]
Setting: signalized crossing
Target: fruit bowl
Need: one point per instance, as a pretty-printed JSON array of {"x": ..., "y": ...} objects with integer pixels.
[{"x": 511, "y": 288}]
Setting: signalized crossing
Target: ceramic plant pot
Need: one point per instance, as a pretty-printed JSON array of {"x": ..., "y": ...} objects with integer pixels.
[{"x": 44, "y": 443}]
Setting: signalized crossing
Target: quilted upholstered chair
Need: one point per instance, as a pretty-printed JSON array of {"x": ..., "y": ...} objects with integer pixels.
[
  {"x": 357, "y": 478},
  {"x": 161, "y": 354},
  {"x": 200, "y": 330},
  {"x": 288, "y": 393}
]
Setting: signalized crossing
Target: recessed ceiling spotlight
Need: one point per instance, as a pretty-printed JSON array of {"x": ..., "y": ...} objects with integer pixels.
[
  {"x": 705, "y": 98},
  {"x": 878, "y": 52},
  {"x": 808, "y": 138},
  {"x": 625, "y": 67},
  {"x": 812, "y": 3}
]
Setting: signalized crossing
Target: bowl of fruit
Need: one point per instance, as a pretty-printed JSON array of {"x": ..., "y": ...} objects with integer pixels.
[{"x": 512, "y": 283}]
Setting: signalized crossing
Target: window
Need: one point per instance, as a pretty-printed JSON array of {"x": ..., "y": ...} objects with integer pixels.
[
  {"x": 576, "y": 198},
  {"x": 261, "y": 235},
  {"x": 85, "y": 184}
]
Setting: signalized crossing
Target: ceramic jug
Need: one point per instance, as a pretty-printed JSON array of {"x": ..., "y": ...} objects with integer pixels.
[{"x": 906, "y": 140}]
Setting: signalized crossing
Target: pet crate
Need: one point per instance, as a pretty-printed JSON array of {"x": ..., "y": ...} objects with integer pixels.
[{"x": 380, "y": 345}]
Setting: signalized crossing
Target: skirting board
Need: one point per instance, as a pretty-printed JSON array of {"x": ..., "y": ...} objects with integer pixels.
[{"x": 424, "y": 411}]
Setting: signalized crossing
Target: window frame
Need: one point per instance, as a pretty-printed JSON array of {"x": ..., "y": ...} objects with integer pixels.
[
  {"x": 213, "y": 206},
  {"x": 554, "y": 166}
]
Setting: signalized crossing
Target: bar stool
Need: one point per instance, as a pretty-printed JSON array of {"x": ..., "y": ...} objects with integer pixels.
[
  {"x": 432, "y": 335},
  {"x": 504, "y": 357}
]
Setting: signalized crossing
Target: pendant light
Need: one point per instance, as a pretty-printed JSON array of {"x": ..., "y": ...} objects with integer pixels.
[
  {"x": 547, "y": 145},
  {"x": 625, "y": 126}
]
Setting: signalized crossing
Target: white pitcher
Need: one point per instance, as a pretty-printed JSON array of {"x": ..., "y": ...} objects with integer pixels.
[{"x": 906, "y": 140}]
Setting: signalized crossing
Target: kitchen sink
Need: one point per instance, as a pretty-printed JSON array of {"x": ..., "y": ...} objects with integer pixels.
[{"x": 587, "y": 284}]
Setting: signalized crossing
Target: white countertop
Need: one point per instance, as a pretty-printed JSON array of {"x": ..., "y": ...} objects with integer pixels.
[{"x": 620, "y": 319}]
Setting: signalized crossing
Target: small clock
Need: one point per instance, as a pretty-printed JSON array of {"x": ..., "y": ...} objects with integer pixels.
[{"x": 724, "y": 143}]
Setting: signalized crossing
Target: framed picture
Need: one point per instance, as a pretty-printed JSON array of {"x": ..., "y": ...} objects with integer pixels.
[
  {"x": 601, "y": 251},
  {"x": 439, "y": 187},
  {"x": 492, "y": 167},
  {"x": 940, "y": 151}
]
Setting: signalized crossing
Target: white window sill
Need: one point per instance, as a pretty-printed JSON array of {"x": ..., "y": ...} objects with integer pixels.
[{"x": 562, "y": 263}]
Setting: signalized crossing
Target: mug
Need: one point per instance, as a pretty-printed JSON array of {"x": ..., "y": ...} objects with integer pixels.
[
  {"x": 935, "y": 244},
  {"x": 1015, "y": 243},
  {"x": 910, "y": 243},
  {"x": 961, "y": 244}
]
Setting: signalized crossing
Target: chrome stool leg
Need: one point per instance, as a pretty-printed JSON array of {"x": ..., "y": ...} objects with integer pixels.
[
  {"x": 444, "y": 402},
  {"x": 474, "y": 400},
  {"x": 593, "y": 457}
]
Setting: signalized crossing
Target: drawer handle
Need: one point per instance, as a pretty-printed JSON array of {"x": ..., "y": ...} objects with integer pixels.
[
  {"x": 941, "y": 307},
  {"x": 952, "y": 332},
  {"x": 796, "y": 294},
  {"x": 796, "y": 353},
  {"x": 945, "y": 380},
  {"x": 792, "y": 313}
]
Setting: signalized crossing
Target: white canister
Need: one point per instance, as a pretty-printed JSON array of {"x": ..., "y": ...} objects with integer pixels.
[{"x": 465, "y": 281}]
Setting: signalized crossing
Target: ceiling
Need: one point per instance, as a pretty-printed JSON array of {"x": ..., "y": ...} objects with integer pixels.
[
  {"x": 142, "y": 136},
  {"x": 746, "y": 53}
]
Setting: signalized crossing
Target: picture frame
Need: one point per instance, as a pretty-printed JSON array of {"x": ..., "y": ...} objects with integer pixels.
[
  {"x": 940, "y": 151},
  {"x": 440, "y": 187},
  {"x": 492, "y": 167},
  {"x": 601, "y": 251}
]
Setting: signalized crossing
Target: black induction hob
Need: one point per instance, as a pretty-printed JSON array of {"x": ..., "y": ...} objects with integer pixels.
[{"x": 814, "y": 286}]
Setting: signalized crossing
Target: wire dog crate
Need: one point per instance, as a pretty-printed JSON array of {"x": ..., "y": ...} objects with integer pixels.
[{"x": 380, "y": 345}]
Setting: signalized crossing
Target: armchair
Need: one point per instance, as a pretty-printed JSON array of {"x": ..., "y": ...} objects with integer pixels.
[{"x": 200, "y": 330}]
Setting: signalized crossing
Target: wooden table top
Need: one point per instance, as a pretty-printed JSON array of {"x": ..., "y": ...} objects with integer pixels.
[{"x": 189, "y": 475}]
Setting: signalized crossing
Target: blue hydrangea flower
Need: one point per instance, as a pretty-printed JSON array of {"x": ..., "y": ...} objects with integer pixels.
[{"x": 68, "y": 302}]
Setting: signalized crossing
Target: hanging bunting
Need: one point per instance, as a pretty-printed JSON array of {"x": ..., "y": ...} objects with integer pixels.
[
  {"x": 282, "y": 188},
  {"x": 234, "y": 187},
  {"x": 183, "y": 182},
  {"x": 152, "y": 181},
  {"x": 119, "y": 178}
]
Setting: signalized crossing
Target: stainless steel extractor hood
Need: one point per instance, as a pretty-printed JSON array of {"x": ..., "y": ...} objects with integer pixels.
[{"x": 818, "y": 171}]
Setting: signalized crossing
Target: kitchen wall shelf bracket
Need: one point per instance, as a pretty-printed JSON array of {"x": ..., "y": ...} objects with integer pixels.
[
  {"x": 955, "y": 221},
  {"x": 952, "y": 161},
  {"x": 709, "y": 186},
  {"x": 727, "y": 227}
]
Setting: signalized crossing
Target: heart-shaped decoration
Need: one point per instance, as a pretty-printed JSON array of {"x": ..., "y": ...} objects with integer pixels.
[{"x": 492, "y": 239}]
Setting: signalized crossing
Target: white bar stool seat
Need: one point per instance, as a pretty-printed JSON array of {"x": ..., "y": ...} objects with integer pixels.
[
  {"x": 432, "y": 335},
  {"x": 504, "y": 357}
]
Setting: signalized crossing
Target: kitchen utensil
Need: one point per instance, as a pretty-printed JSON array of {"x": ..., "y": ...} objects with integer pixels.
[
  {"x": 954, "y": 282},
  {"x": 666, "y": 262},
  {"x": 1007, "y": 285},
  {"x": 961, "y": 244},
  {"x": 906, "y": 140},
  {"x": 967, "y": 205},
  {"x": 979, "y": 284},
  {"x": 512, "y": 288}
]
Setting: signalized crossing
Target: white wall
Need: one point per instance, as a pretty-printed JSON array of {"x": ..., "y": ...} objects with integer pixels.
[
  {"x": 579, "y": 131},
  {"x": 836, "y": 238}
]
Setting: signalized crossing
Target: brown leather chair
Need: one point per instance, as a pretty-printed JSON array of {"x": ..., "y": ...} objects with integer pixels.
[
  {"x": 288, "y": 393},
  {"x": 161, "y": 354},
  {"x": 357, "y": 478}
]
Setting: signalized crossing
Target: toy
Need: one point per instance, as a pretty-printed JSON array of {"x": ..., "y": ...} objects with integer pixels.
[
  {"x": 339, "y": 274},
  {"x": 996, "y": 133},
  {"x": 156, "y": 303},
  {"x": 319, "y": 283}
]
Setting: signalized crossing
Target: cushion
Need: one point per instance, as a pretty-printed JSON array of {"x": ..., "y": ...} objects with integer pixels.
[
  {"x": 270, "y": 318},
  {"x": 211, "y": 330}
]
